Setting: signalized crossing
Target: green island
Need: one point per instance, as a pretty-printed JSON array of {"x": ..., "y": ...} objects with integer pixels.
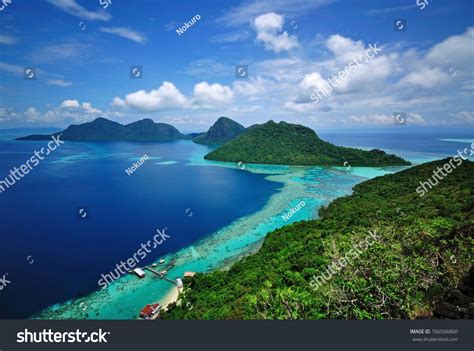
[
  {"x": 291, "y": 144},
  {"x": 423, "y": 253},
  {"x": 222, "y": 131},
  {"x": 102, "y": 129}
]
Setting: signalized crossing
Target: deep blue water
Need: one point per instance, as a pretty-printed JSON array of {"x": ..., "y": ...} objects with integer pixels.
[
  {"x": 39, "y": 214},
  {"x": 405, "y": 141}
]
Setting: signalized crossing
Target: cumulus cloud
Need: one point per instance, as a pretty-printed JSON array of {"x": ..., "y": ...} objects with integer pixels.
[
  {"x": 76, "y": 110},
  {"x": 426, "y": 78},
  {"x": 253, "y": 87},
  {"x": 212, "y": 95},
  {"x": 68, "y": 112},
  {"x": 268, "y": 28},
  {"x": 167, "y": 96},
  {"x": 456, "y": 51},
  {"x": 69, "y": 103},
  {"x": 453, "y": 56},
  {"x": 31, "y": 114}
]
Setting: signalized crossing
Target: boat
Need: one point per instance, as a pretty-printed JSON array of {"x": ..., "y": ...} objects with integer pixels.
[
  {"x": 163, "y": 273},
  {"x": 162, "y": 261},
  {"x": 154, "y": 265}
]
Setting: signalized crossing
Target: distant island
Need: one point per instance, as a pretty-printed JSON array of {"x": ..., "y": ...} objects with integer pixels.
[
  {"x": 102, "y": 129},
  {"x": 221, "y": 132},
  {"x": 293, "y": 144},
  {"x": 268, "y": 143},
  {"x": 418, "y": 266}
]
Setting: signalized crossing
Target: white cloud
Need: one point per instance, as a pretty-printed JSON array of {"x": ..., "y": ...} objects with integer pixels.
[
  {"x": 85, "y": 107},
  {"x": 246, "y": 10},
  {"x": 245, "y": 109},
  {"x": 7, "y": 39},
  {"x": 69, "y": 103},
  {"x": 344, "y": 49},
  {"x": 415, "y": 118},
  {"x": 31, "y": 114},
  {"x": 255, "y": 86},
  {"x": 231, "y": 37},
  {"x": 299, "y": 107},
  {"x": 269, "y": 22},
  {"x": 463, "y": 118},
  {"x": 73, "y": 8},
  {"x": 456, "y": 51},
  {"x": 268, "y": 27},
  {"x": 72, "y": 52},
  {"x": 59, "y": 83},
  {"x": 13, "y": 69},
  {"x": 212, "y": 95},
  {"x": 426, "y": 78},
  {"x": 313, "y": 81},
  {"x": 167, "y": 96},
  {"x": 125, "y": 33},
  {"x": 68, "y": 112},
  {"x": 118, "y": 102},
  {"x": 383, "y": 119}
]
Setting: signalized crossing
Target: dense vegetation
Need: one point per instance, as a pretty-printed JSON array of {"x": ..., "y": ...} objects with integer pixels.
[
  {"x": 425, "y": 248},
  {"x": 222, "y": 131},
  {"x": 293, "y": 144},
  {"x": 102, "y": 129}
]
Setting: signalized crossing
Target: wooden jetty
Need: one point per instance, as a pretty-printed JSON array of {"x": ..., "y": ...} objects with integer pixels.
[{"x": 161, "y": 276}]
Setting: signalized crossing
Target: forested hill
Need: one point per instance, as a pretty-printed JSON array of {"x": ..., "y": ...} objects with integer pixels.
[
  {"x": 424, "y": 249},
  {"x": 293, "y": 144},
  {"x": 102, "y": 129},
  {"x": 222, "y": 131}
]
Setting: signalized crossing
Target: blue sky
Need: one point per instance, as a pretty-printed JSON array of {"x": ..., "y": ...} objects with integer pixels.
[{"x": 82, "y": 53}]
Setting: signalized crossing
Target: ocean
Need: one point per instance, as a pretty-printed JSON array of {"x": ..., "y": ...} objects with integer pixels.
[{"x": 78, "y": 214}]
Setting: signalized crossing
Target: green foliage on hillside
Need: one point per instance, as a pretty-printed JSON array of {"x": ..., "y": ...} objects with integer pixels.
[
  {"x": 292, "y": 144},
  {"x": 425, "y": 248},
  {"x": 102, "y": 129},
  {"x": 222, "y": 131}
]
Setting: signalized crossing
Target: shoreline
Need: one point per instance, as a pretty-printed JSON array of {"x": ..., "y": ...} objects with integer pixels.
[
  {"x": 126, "y": 296},
  {"x": 171, "y": 297}
]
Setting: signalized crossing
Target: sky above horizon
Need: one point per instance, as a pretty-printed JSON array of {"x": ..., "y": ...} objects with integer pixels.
[{"x": 82, "y": 55}]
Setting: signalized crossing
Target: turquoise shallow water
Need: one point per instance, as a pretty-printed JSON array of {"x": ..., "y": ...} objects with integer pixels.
[{"x": 316, "y": 186}]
